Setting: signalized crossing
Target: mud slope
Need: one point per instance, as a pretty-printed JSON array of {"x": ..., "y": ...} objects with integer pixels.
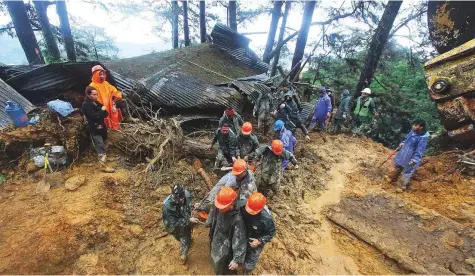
[{"x": 112, "y": 224}]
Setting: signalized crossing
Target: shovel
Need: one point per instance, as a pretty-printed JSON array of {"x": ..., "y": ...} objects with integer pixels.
[
  {"x": 390, "y": 156},
  {"x": 43, "y": 186}
]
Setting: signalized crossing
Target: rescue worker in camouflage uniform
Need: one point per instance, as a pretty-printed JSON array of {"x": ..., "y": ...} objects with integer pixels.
[
  {"x": 247, "y": 142},
  {"x": 291, "y": 101},
  {"x": 363, "y": 111},
  {"x": 262, "y": 109},
  {"x": 342, "y": 112},
  {"x": 271, "y": 166},
  {"x": 227, "y": 233},
  {"x": 287, "y": 138},
  {"x": 176, "y": 215},
  {"x": 232, "y": 119},
  {"x": 410, "y": 154},
  {"x": 227, "y": 145},
  {"x": 240, "y": 179},
  {"x": 260, "y": 229}
]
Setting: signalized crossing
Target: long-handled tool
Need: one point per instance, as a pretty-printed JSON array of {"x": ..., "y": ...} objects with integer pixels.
[
  {"x": 390, "y": 156},
  {"x": 44, "y": 186}
]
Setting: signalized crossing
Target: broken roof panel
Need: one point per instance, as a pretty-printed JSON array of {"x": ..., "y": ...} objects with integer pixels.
[
  {"x": 237, "y": 46},
  {"x": 7, "y": 93},
  {"x": 181, "y": 91}
]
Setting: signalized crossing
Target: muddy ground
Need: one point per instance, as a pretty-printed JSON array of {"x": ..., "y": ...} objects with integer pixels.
[{"x": 111, "y": 223}]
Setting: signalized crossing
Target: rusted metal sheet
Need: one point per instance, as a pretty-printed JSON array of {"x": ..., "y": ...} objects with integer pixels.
[
  {"x": 451, "y": 23},
  {"x": 450, "y": 80}
]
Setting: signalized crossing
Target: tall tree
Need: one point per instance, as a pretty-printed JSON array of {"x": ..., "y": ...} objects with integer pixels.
[
  {"x": 186, "y": 29},
  {"x": 302, "y": 38},
  {"x": 377, "y": 44},
  {"x": 232, "y": 14},
  {"x": 203, "y": 21},
  {"x": 66, "y": 30},
  {"x": 175, "y": 24},
  {"x": 25, "y": 33},
  {"x": 276, "y": 11},
  {"x": 51, "y": 45},
  {"x": 281, "y": 37}
]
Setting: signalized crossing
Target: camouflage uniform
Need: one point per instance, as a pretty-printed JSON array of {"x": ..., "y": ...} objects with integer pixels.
[
  {"x": 247, "y": 145},
  {"x": 176, "y": 219},
  {"x": 228, "y": 239},
  {"x": 262, "y": 108},
  {"x": 227, "y": 146},
  {"x": 234, "y": 122},
  {"x": 271, "y": 168},
  {"x": 261, "y": 227},
  {"x": 246, "y": 187}
]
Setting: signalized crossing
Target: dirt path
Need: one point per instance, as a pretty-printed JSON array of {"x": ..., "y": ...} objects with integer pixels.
[{"x": 109, "y": 226}]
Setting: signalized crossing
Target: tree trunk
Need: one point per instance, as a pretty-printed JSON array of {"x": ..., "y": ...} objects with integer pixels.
[
  {"x": 25, "y": 33},
  {"x": 302, "y": 38},
  {"x": 272, "y": 30},
  {"x": 232, "y": 15},
  {"x": 51, "y": 45},
  {"x": 175, "y": 24},
  {"x": 281, "y": 37},
  {"x": 203, "y": 21},
  {"x": 186, "y": 29},
  {"x": 66, "y": 30},
  {"x": 376, "y": 47}
]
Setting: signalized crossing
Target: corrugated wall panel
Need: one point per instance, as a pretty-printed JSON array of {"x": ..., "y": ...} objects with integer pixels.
[{"x": 7, "y": 93}]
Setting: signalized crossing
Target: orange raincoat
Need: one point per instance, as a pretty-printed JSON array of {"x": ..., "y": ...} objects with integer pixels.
[{"x": 105, "y": 93}]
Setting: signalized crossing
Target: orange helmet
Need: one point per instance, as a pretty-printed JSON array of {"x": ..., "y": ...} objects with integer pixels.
[
  {"x": 246, "y": 128},
  {"x": 239, "y": 166},
  {"x": 277, "y": 147},
  {"x": 255, "y": 203},
  {"x": 225, "y": 197}
]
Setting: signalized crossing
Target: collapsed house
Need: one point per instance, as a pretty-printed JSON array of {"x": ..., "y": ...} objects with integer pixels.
[{"x": 194, "y": 83}]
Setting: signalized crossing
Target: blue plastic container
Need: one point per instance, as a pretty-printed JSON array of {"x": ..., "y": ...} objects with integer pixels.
[{"x": 17, "y": 114}]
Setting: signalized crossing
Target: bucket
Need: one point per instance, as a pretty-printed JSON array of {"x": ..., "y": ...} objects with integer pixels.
[{"x": 17, "y": 114}]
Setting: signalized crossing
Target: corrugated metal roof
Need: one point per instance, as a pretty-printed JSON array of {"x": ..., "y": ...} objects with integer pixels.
[
  {"x": 7, "y": 93},
  {"x": 181, "y": 91},
  {"x": 237, "y": 46},
  {"x": 57, "y": 77}
]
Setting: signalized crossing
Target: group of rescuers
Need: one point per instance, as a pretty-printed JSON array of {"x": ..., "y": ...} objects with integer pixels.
[{"x": 239, "y": 220}]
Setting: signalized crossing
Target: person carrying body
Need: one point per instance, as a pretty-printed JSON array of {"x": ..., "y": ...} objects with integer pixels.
[{"x": 247, "y": 142}]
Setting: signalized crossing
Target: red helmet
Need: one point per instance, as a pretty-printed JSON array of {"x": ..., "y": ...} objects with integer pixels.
[
  {"x": 230, "y": 111},
  {"x": 246, "y": 128},
  {"x": 277, "y": 147},
  {"x": 255, "y": 203},
  {"x": 225, "y": 197}
]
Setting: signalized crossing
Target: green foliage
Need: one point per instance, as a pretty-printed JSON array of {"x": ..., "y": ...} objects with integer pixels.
[
  {"x": 92, "y": 43},
  {"x": 399, "y": 89}
]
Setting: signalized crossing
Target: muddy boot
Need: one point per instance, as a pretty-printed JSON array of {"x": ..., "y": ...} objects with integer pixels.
[
  {"x": 183, "y": 259},
  {"x": 105, "y": 167},
  {"x": 406, "y": 184}
]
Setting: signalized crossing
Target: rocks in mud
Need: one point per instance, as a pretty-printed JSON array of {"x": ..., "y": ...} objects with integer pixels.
[
  {"x": 86, "y": 264},
  {"x": 31, "y": 167},
  {"x": 136, "y": 230},
  {"x": 55, "y": 179},
  {"x": 73, "y": 183}
]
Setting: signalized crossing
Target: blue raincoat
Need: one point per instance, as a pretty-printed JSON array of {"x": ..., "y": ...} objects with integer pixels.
[
  {"x": 413, "y": 149},
  {"x": 289, "y": 142},
  {"x": 322, "y": 107}
]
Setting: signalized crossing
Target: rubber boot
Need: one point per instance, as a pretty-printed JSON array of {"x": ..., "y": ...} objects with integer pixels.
[
  {"x": 105, "y": 167},
  {"x": 406, "y": 184}
]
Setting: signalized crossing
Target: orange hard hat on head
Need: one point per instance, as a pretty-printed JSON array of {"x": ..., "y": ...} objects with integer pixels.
[
  {"x": 255, "y": 203},
  {"x": 246, "y": 128},
  {"x": 239, "y": 166},
  {"x": 277, "y": 147},
  {"x": 225, "y": 197},
  {"x": 97, "y": 68}
]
